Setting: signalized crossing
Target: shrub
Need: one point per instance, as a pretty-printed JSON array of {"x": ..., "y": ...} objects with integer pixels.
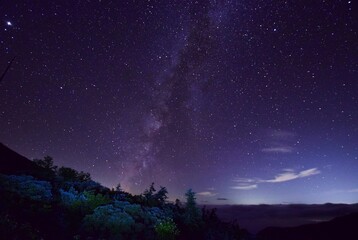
[
  {"x": 27, "y": 187},
  {"x": 166, "y": 229},
  {"x": 109, "y": 221},
  {"x": 68, "y": 198},
  {"x": 84, "y": 202},
  {"x": 122, "y": 220}
]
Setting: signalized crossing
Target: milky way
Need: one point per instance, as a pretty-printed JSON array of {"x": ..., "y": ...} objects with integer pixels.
[
  {"x": 174, "y": 96},
  {"x": 243, "y": 101}
]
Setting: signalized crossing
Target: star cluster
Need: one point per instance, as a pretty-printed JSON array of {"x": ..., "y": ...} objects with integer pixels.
[{"x": 243, "y": 101}]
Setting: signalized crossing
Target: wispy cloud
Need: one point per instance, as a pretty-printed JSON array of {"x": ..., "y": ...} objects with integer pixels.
[
  {"x": 246, "y": 180},
  {"x": 309, "y": 172},
  {"x": 279, "y": 141},
  {"x": 286, "y": 175},
  {"x": 207, "y": 194},
  {"x": 244, "y": 187},
  {"x": 353, "y": 190},
  {"x": 282, "y": 134},
  {"x": 291, "y": 175},
  {"x": 282, "y": 177},
  {"x": 282, "y": 149}
]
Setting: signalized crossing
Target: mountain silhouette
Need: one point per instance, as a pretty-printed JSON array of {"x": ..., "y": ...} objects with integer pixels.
[
  {"x": 12, "y": 163},
  {"x": 338, "y": 228}
]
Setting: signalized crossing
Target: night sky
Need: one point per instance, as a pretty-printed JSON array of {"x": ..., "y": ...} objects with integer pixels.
[{"x": 246, "y": 101}]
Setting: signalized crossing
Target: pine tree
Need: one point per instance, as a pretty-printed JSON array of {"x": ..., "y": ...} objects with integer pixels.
[{"x": 192, "y": 213}]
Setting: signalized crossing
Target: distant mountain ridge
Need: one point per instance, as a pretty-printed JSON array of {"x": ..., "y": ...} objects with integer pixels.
[
  {"x": 258, "y": 217},
  {"x": 12, "y": 163},
  {"x": 345, "y": 227}
]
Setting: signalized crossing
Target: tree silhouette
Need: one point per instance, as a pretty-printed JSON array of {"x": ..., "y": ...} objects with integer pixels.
[
  {"x": 46, "y": 163},
  {"x": 118, "y": 188},
  {"x": 161, "y": 195},
  {"x": 192, "y": 214}
]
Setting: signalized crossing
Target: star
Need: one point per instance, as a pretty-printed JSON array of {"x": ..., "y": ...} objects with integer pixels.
[{"x": 194, "y": 92}]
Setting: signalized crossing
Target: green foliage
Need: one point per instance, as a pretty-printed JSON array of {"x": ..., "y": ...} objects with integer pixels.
[
  {"x": 91, "y": 202},
  {"x": 167, "y": 229},
  {"x": 83, "y": 203},
  {"x": 134, "y": 210}
]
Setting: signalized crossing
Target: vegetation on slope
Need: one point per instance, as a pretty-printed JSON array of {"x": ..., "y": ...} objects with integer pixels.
[{"x": 62, "y": 203}]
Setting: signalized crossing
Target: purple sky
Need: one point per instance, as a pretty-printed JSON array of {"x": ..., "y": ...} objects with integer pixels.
[{"x": 243, "y": 101}]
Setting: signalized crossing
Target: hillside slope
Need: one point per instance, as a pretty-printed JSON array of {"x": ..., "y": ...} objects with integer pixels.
[{"x": 12, "y": 163}]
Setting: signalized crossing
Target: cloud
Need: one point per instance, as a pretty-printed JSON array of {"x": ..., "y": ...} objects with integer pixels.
[
  {"x": 288, "y": 170},
  {"x": 291, "y": 175},
  {"x": 279, "y": 141},
  {"x": 206, "y": 194},
  {"x": 282, "y": 177},
  {"x": 244, "y": 187},
  {"x": 309, "y": 172},
  {"x": 282, "y": 134},
  {"x": 245, "y": 180},
  {"x": 353, "y": 190},
  {"x": 287, "y": 175},
  {"x": 282, "y": 149}
]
